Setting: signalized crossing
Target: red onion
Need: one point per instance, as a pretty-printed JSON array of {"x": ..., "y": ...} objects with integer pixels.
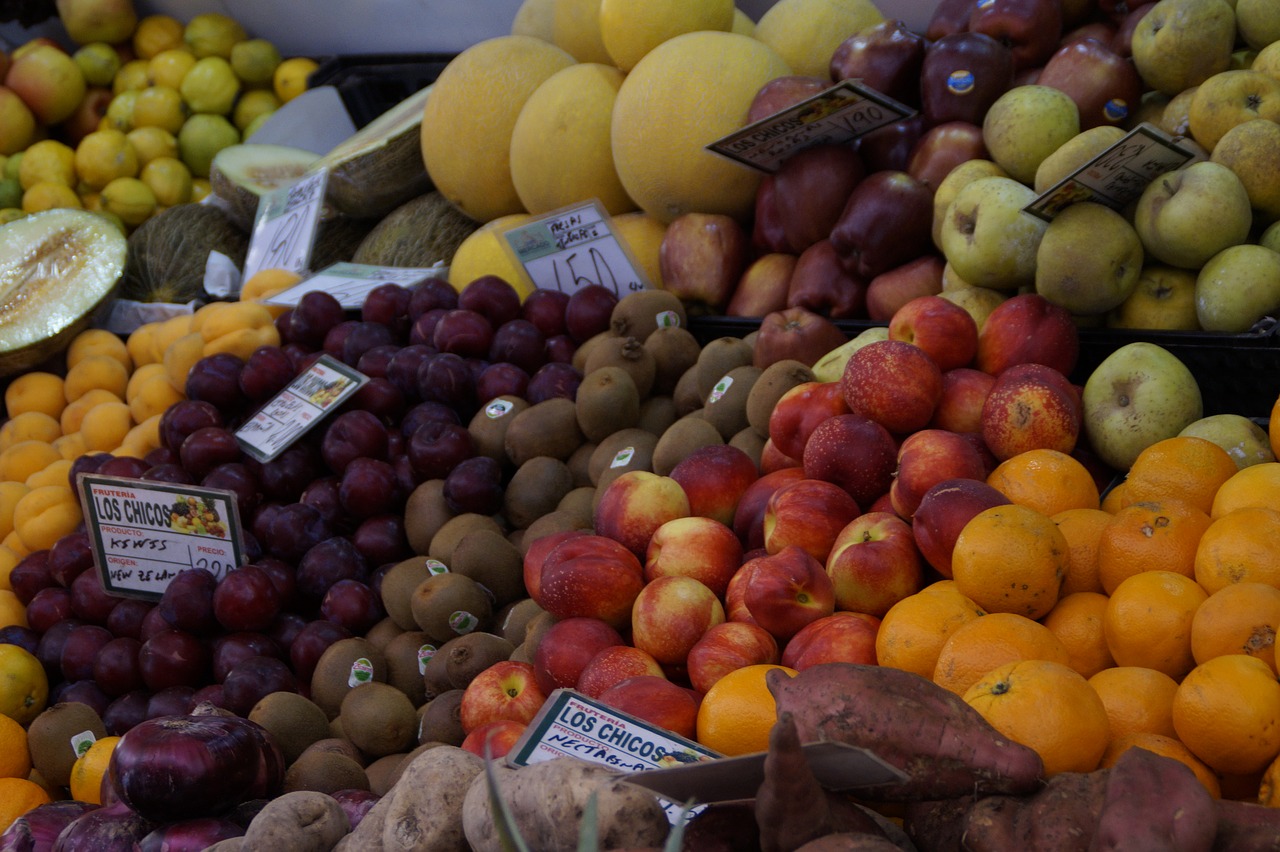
[
  {"x": 355, "y": 803},
  {"x": 191, "y": 835},
  {"x": 111, "y": 828},
  {"x": 38, "y": 829}
]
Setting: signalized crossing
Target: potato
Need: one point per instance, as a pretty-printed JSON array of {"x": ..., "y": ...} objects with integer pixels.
[
  {"x": 425, "y": 809},
  {"x": 302, "y": 821},
  {"x": 547, "y": 800}
]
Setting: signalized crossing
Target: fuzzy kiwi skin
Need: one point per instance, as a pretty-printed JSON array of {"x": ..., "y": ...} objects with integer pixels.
[
  {"x": 330, "y": 681},
  {"x": 557, "y": 521},
  {"x": 684, "y": 436},
  {"x": 674, "y": 350},
  {"x": 607, "y": 400},
  {"x": 49, "y": 738},
  {"x": 687, "y": 397},
  {"x": 629, "y": 354},
  {"x": 383, "y": 632},
  {"x": 717, "y": 358},
  {"x": 629, "y": 449},
  {"x": 513, "y": 620},
  {"x": 455, "y": 530},
  {"x": 398, "y": 583},
  {"x": 404, "y": 663},
  {"x": 425, "y": 512},
  {"x": 657, "y": 413},
  {"x": 325, "y": 772},
  {"x": 726, "y": 405},
  {"x": 294, "y": 721},
  {"x": 547, "y": 428},
  {"x": 643, "y": 312},
  {"x": 472, "y": 654},
  {"x": 750, "y": 442},
  {"x": 379, "y": 719},
  {"x": 535, "y": 489},
  {"x": 439, "y": 600},
  {"x": 773, "y": 383},
  {"x": 441, "y": 719},
  {"x": 489, "y": 558},
  {"x": 488, "y": 426}
]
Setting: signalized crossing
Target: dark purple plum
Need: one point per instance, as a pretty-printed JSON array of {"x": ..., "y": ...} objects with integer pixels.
[
  {"x": 284, "y": 477},
  {"x": 381, "y": 398},
  {"x": 436, "y": 448},
  {"x": 81, "y": 648},
  {"x": 326, "y": 563},
  {"x": 208, "y": 447},
  {"x": 430, "y": 411},
  {"x": 116, "y": 668},
  {"x": 25, "y": 638},
  {"x": 171, "y": 701},
  {"x": 295, "y": 529},
  {"x": 70, "y": 555},
  {"x": 373, "y": 362},
  {"x": 90, "y": 600},
  {"x": 491, "y": 296},
  {"x": 285, "y": 629},
  {"x": 352, "y": 435},
  {"x": 352, "y": 604},
  {"x": 381, "y": 538},
  {"x": 553, "y": 379},
  {"x": 172, "y": 472},
  {"x": 368, "y": 487},
  {"x": 124, "y": 466},
  {"x": 521, "y": 343},
  {"x": 311, "y": 642},
  {"x": 127, "y": 617},
  {"x": 322, "y": 495},
  {"x": 246, "y": 599},
  {"x": 49, "y": 651},
  {"x": 85, "y": 463},
  {"x": 501, "y": 379},
  {"x": 474, "y": 485},
  {"x": 545, "y": 309},
  {"x": 282, "y": 575},
  {"x": 589, "y": 311},
  {"x": 311, "y": 319},
  {"x": 463, "y": 332},
  {"x": 187, "y": 602},
  {"x": 361, "y": 337},
  {"x": 48, "y": 607},
  {"x": 216, "y": 379},
  {"x": 423, "y": 330},
  {"x": 253, "y": 679},
  {"x": 267, "y": 372},
  {"x": 184, "y": 417},
  {"x": 237, "y": 478},
  {"x": 402, "y": 369},
  {"x": 233, "y": 648},
  {"x": 30, "y": 575},
  {"x": 126, "y": 711},
  {"x": 388, "y": 304},
  {"x": 431, "y": 294},
  {"x": 447, "y": 378},
  {"x": 152, "y": 623},
  {"x": 174, "y": 658},
  {"x": 87, "y": 692}
]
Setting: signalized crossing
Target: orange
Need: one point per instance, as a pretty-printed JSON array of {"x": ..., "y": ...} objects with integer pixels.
[
  {"x": 738, "y": 711},
  {"x": 1138, "y": 700},
  {"x": 24, "y": 687},
  {"x": 17, "y": 796},
  {"x": 1048, "y": 707},
  {"x": 1166, "y": 747},
  {"x": 89, "y": 768},
  {"x": 1082, "y": 528},
  {"x": 1116, "y": 498},
  {"x": 1011, "y": 559},
  {"x": 15, "y": 759},
  {"x": 1237, "y": 619},
  {"x": 1186, "y": 468},
  {"x": 1077, "y": 622},
  {"x": 1048, "y": 481},
  {"x": 1239, "y": 547},
  {"x": 1269, "y": 785},
  {"x": 1227, "y": 711},
  {"x": 1157, "y": 535},
  {"x": 914, "y": 629},
  {"x": 1147, "y": 621},
  {"x": 985, "y": 643},
  {"x": 1255, "y": 485},
  {"x": 1273, "y": 423}
]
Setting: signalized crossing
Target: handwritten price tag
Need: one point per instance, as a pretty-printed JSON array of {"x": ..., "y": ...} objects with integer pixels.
[
  {"x": 285, "y": 228},
  {"x": 574, "y": 247},
  {"x": 835, "y": 116},
  {"x": 350, "y": 283},
  {"x": 145, "y": 533}
]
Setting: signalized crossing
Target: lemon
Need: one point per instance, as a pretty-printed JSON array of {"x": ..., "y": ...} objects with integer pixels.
[
  {"x": 806, "y": 32},
  {"x": 155, "y": 34},
  {"x": 255, "y": 61},
  {"x": 48, "y": 196},
  {"x": 159, "y": 106},
  {"x": 210, "y": 86},
  {"x": 575, "y": 28},
  {"x": 120, "y": 111},
  {"x": 169, "y": 180},
  {"x": 252, "y": 104},
  {"x": 201, "y": 137},
  {"x": 212, "y": 34},
  {"x": 168, "y": 67},
  {"x": 99, "y": 63},
  {"x": 290, "y": 77},
  {"x": 134, "y": 74},
  {"x": 17, "y": 123},
  {"x": 152, "y": 142},
  {"x": 48, "y": 161},
  {"x": 630, "y": 30},
  {"x": 103, "y": 156},
  {"x": 130, "y": 199}
]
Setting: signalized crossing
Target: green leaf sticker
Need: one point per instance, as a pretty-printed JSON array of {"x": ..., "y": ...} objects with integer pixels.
[
  {"x": 721, "y": 388},
  {"x": 361, "y": 672},
  {"x": 435, "y": 566},
  {"x": 498, "y": 408},
  {"x": 82, "y": 742},
  {"x": 463, "y": 622},
  {"x": 425, "y": 653},
  {"x": 623, "y": 458},
  {"x": 667, "y": 319}
]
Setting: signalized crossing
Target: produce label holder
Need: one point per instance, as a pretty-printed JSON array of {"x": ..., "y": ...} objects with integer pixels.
[
  {"x": 284, "y": 229},
  {"x": 573, "y": 247},
  {"x": 350, "y": 283},
  {"x": 144, "y": 534},
  {"x": 834, "y": 116},
  {"x": 297, "y": 408},
  {"x": 1117, "y": 175}
]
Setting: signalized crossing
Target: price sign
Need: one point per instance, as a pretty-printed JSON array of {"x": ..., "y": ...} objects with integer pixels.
[
  {"x": 288, "y": 415},
  {"x": 574, "y": 247},
  {"x": 145, "y": 533},
  {"x": 1117, "y": 175},
  {"x": 350, "y": 283},
  {"x": 285, "y": 227},
  {"x": 836, "y": 116}
]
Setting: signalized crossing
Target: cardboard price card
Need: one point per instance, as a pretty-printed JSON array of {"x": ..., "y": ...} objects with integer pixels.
[
  {"x": 145, "y": 533},
  {"x": 350, "y": 283},
  {"x": 835, "y": 116},
  {"x": 285, "y": 228},
  {"x": 1117, "y": 175},
  {"x": 574, "y": 247},
  {"x": 289, "y": 414}
]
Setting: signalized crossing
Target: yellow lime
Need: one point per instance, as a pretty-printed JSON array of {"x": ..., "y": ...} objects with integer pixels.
[
  {"x": 159, "y": 106},
  {"x": 168, "y": 67},
  {"x": 212, "y": 34},
  {"x": 155, "y": 34},
  {"x": 99, "y": 63},
  {"x": 152, "y": 142},
  {"x": 130, "y": 199},
  {"x": 252, "y": 104},
  {"x": 103, "y": 156},
  {"x": 169, "y": 180},
  {"x": 48, "y": 161},
  {"x": 290, "y": 77},
  {"x": 210, "y": 86},
  {"x": 202, "y": 136},
  {"x": 120, "y": 111},
  {"x": 255, "y": 61},
  {"x": 134, "y": 74}
]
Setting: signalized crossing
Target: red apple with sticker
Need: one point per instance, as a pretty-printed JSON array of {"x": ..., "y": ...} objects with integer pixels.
[
  {"x": 728, "y": 647},
  {"x": 821, "y": 283},
  {"x": 567, "y": 646},
  {"x": 635, "y": 504},
  {"x": 615, "y": 664},
  {"x": 943, "y": 147},
  {"x": 670, "y": 615},
  {"x": 945, "y": 331},
  {"x": 874, "y": 563},
  {"x": 889, "y": 291},
  {"x": 842, "y": 637},
  {"x": 854, "y": 453},
  {"x": 657, "y": 701},
  {"x": 886, "y": 56},
  {"x": 762, "y": 288},
  {"x": 1030, "y": 28},
  {"x": 942, "y": 514},
  {"x": 714, "y": 479},
  {"x": 1105, "y": 86},
  {"x": 748, "y": 518},
  {"x": 926, "y": 458},
  {"x": 701, "y": 257},
  {"x": 962, "y": 76},
  {"x": 886, "y": 220},
  {"x": 787, "y": 590},
  {"x": 795, "y": 334},
  {"x": 799, "y": 411},
  {"x": 1028, "y": 328},
  {"x": 697, "y": 547},
  {"x": 893, "y": 383},
  {"x": 807, "y": 514},
  {"x": 507, "y": 690},
  {"x": 1031, "y": 407}
]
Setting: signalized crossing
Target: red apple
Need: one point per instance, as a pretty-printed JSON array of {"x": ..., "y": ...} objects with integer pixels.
[
  {"x": 697, "y": 547},
  {"x": 787, "y": 590},
  {"x": 1105, "y": 86},
  {"x": 782, "y": 92},
  {"x": 943, "y": 512},
  {"x": 842, "y": 637},
  {"x": 735, "y": 597},
  {"x": 88, "y": 115},
  {"x": 799, "y": 411},
  {"x": 748, "y": 519},
  {"x": 589, "y": 576},
  {"x": 874, "y": 564},
  {"x": 809, "y": 193},
  {"x": 536, "y": 555},
  {"x": 887, "y": 221},
  {"x": 795, "y": 334},
  {"x": 947, "y": 18},
  {"x": 702, "y": 256},
  {"x": 493, "y": 740},
  {"x": 964, "y": 390},
  {"x": 762, "y": 288},
  {"x": 945, "y": 331},
  {"x": 714, "y": 478},
  {"x": 670, "y": 615},
  {"x": 854, "y": 453},
  {"x": 893, "y": 383},
  {"x": 962, "y": 76},
  {"x": 1101, "y": 30},
  {"x": 772, "y": 458},
  {"x": 1122, "y": 42},
  {"x": 1030, "y": 29},
  {"x": 886, "y": 57},
  {"x": 807, "y": 514},
  {"x": 821, "y": 283},
  {"x": 888, "y": 148},
  {"x": 890, "y": 290},
  {"x": 657, "y": 701},
  {"x": 566, "y": 647},
  {"x": 1031, "y": 407},
  {"x": 1028, "y": 328},
  {"x": 506, "y": 690},
  {"x": 926, "y": 458},
  {"x": 635, "y": 504},
  {"x": 728, "y": 647},
  {"x": 942, "y": 148},
  {"x": 613, "y": 665}
]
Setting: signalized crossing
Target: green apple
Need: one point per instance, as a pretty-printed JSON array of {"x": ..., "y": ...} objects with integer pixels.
[
  {"x": 1245, "y": 441},
  {"x": 1074, "y": 153},
  {"x": 978, "y": 301},
  {"x": 1187, "y": 216},
  {"x": 1237, "y": 287},
  {"x": 1164, "y": 299},
  {"x": 830, "y": 367},
  {"x": 1025, "y": 125},
  {"x": 1258, "y": 22},
  {"x": 966, "y": 172},
  {"x": 1182, "y": 43},
  {"x": 1089, "y": 259},
  {"x": 1140, "y": 394},
  {"x": 987, "y": 238},
  {"x": 1271, "y": 237}
]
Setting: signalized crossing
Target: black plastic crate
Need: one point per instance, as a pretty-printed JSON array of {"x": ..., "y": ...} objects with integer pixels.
[{"x": 371, "y": 83}]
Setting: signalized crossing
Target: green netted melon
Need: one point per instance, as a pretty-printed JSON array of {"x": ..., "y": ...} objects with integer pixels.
[
  {"x": 419, "y": 233},
  {"x": 168, "y": 252},
  {"x": 242, "y": 174},
  {"x": 56, "y": 268},
  {"x": 337, "y": 240}
]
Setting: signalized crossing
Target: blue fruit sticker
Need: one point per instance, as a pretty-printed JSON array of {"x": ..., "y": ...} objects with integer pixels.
[
  {"x": 1115, "y": 110},
  {"x": 960, "y": 82}
]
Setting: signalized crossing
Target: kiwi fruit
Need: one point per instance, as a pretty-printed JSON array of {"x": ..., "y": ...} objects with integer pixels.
[
  {"x": 490, "y": 559},
  {"x": 535, "y": 630},
  {"x": 343, "y": 666},
  {"x": 579, "y": 463},
  {"x": 583, "y": 352},
  {"x": 547, "y": 428},
  {"x": 726, "y": 405},
  {"x": 488, "y": 426},
  {"x": 335, "y": 728},
  {"x": 471, "y": 654},
  {"x": 379, "y": 719},
  {"x": 750, "y": 442},
  {"x": 435, "y": 674},
  {"x": 425, "y": 511},
  {"x": 607, "y": 400},
  {"x": 448, "y": 605},
  {"x": 293, "y": 721},
  {"x": 674, "y": 350},
  {"x": 657, "y": 413},
  {"x": 454, "y": 530},
  {"x": 406, "y": 655},
  {"x": 55, "y": 739},
  {"x": 335, "y": 745},
  {"x": 513, "y": 620},
  {"x": 398, "y": 583},
  {"x": 686, "y": 397},
  {"x": 717, "y": 358},
  {"x": 535, "y": 489},
  {"x": 382, "y": 771},
  {"x": 554, "y": 522},
  {"x": 776, "y": 379},
  {"x": 441, "y": 720},
  {"x": 579, "y": 502},
  {"x": 522, "y": 654},
  {"x": 684, "y": 436},
  {"x": 325, "y": 772},
  {"x": 629, "y": 449},
  {"x": 383, "y": 632},
  {"x": 643, "y": 312},
  {"x": 627, "y": 353}
]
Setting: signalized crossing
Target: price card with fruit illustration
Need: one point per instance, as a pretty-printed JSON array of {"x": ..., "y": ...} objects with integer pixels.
[
  {"x": 285, "y": 228},
  {"x": 145, "y": 533},
  {"x": 834, "y": 116},
  {"x": 1117, "y": 175},
  {"x": 573, "y": 247},
  {"x": 350, "y": 283},
  {"x": 288, "y": 415}
]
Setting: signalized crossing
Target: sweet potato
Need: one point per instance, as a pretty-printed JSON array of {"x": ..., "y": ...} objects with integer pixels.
[
  {"x": 849, "y": 842},
  {"x": 425, "y": 808},
  {"x": 943, "y": 745},
  {"x": 301, "y": 821},
  {"x": 936, "y": 825},
  {"x": 722, "y": 827},
  {"x": 1062, "y": 817},
  {"x": 1154, "y": 803},
  {"x": 1245, "y": 825}
]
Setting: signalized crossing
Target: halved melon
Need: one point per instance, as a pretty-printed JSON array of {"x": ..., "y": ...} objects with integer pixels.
[{"x": 241, "y": 174}]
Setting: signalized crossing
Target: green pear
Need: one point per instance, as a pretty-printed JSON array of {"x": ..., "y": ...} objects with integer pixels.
[
  {"x": 1237, "y": 287},
  {"x": 1089, "y": 259},
  {"x": 1074, "y": 153},
  {"x": 1245, "y": 441},
  {"x": 1182, "y": 43},
  {"x": 1026, "y": 124},
  {"x": 1185, "y": 217},
  {"x": 1271, "y": 237},
  {"x": 987, "y": 238}
]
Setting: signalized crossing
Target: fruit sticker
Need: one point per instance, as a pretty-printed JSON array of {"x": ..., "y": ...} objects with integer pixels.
[
  {"x": 721, "y": 388},
  {"x": 361, "y": 672},
  {"x": 425, "y": 653},
  {"x": 667, "y": 319},
  {"x": 463, "y": 622},
  {"x": 435, "y": 566},
  {"x": 82, "y": 742},
  {"x": 498, "y": 408},
  {"x": 623, "y": 458}
]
